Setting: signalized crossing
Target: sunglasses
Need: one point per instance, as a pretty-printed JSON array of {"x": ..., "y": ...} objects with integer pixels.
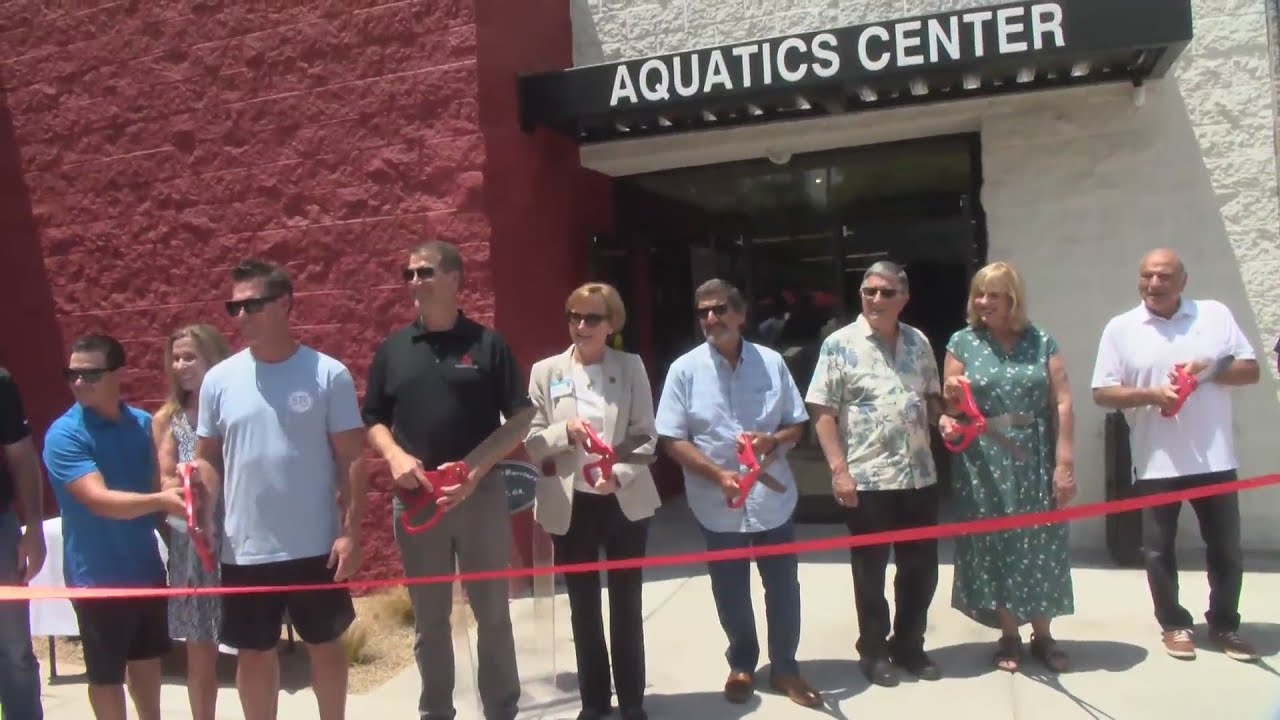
[
  {"x": 252, "y": 306},
  {"x": 717, "y": 310},
  {"x": 88, "y": 375},
  {"x": 886, "y": 293},
  {"x": 590, "y": 319},
  {"x": 421, "y": 273}
]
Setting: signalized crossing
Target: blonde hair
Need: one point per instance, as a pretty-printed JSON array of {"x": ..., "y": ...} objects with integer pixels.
[
  {"x": 213, "y": 349},
  {"x": 612, "y": 302},
  {"x": 1004, "y": 278}
]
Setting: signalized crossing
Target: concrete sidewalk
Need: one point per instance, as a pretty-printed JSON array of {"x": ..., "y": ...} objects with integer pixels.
[{"x": 1121, "y": 671}]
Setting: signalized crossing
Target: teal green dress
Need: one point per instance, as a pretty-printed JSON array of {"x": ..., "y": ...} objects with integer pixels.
[{"x": 1027, "y": 572}]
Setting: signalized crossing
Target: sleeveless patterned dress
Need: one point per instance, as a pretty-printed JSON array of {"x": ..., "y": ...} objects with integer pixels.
[{"x": 192, "y": 618}]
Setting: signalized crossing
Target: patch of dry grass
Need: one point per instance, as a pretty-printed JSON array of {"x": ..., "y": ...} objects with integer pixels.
[{"x": 378, "y": 645}]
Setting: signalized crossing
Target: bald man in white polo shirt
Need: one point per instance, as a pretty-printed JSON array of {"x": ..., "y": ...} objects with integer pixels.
[{"x": 1136, "y": 360}]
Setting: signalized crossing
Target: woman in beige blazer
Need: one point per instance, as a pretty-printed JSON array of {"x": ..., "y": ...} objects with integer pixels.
[{"x": 590, "y": 383}]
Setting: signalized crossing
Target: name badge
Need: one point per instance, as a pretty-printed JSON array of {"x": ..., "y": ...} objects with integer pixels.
[{"x": 561, "y": 387}]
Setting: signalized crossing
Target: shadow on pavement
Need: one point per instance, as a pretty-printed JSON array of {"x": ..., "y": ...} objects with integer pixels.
[
  {"x": 971, "y": 660},
  {"x": 295, "y": 670},
  {"x": 706, "y": 704}
]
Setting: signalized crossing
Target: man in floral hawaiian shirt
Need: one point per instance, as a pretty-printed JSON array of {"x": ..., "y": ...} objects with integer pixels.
[{"x": 874, "y": 393}]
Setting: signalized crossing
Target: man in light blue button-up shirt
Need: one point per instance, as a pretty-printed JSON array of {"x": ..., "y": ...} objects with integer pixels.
[{"x": 714, "y": 394}]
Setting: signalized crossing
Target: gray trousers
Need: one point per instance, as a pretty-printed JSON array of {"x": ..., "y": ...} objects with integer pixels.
[{"x": 477, "y": 534}]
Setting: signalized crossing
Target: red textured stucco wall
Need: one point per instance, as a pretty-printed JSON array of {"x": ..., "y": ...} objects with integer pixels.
[{"x": 152, "y": 145}]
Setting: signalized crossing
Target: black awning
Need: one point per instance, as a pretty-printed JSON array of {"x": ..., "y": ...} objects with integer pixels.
[{"x": 981, "y": 51}]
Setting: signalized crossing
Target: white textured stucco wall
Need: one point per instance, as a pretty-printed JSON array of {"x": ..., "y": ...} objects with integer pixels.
[{"x": 1079, "y": 183}]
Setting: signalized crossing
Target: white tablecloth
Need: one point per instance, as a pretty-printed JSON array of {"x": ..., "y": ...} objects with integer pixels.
[{"x": 55, "y": 617}]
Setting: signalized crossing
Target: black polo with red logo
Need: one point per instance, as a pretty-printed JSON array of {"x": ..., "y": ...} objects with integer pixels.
[{"x": 442, "y": 393}]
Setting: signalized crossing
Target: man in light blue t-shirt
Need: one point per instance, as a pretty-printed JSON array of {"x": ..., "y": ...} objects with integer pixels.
[{"x": 282, "y": 422}]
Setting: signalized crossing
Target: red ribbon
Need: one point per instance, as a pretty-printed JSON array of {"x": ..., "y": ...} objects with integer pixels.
[
  {"x": 975, "y": 427},
  {"x": 932, "y": 532}
]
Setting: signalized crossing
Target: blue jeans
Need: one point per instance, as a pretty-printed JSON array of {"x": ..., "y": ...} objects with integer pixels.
[
  {"x": 19, "y": 669},
  {"x": 731, "y": 586}
]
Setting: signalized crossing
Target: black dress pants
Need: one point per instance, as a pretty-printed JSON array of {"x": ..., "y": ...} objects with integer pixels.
[
  {"x": 599, "y": 524},
  {"x": 914, "y": 582},
  {"x": 1219, "y": 518}
]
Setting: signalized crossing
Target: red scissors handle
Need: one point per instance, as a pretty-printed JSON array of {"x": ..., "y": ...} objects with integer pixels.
[
  {"x": 1184, "y": 384},
  {"x": 604, "y": 466},
  {"x": 977, "y": 424},
  {"x": 199, "y": 539},
  {"x": 746, "y": 456},
  {"x": 420, "y": 499}
]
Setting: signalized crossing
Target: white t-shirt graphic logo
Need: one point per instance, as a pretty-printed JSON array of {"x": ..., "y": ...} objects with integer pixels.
[{"x": 300, "y": 401}]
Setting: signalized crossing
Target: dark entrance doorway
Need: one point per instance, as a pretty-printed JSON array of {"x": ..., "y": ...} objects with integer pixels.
[{"x": 796, "y": 238}]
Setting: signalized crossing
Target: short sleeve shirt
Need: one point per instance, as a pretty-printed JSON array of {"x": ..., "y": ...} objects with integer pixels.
[
  {"x": 100, "y": 551},
  {"x": 710, "y": 403},
  {"x": 442, "y": 393},
  {"x": 281, "y": 480},
  {"x": 1138, "y": 349},
  {"x": 880, "y": 403},
  {"x": 13, "y": 429}
]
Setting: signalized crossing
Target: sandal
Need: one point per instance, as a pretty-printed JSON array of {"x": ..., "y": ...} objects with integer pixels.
[
  {"x": 1008, "y": 653},
  {"x": 1046, "y": 650}
]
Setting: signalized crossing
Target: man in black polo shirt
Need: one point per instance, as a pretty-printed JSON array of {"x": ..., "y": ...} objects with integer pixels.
[
  {"x": 436, "y": 391},
  {"x": 21, "y": 554}
]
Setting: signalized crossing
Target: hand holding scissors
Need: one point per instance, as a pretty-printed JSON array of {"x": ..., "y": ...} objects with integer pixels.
[
  {"x": 963, "y": 434},
  {"x": 1184, "y": 380},
  {"x": 418, "y": 500}
]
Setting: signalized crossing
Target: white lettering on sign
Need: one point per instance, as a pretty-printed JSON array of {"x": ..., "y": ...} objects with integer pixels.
[
  {"x": 717, "y": 73},
  {"x": 690, "y": 89},
  {"x": 864, "y": 55},
  {"x": 744, "y": 53},
  {"x": 1046, "y": 19},
  {"x": 976, "y": 19},
  {"x": 947, "y": 38},
  {"x": 904, "y": 42},
  {"x": 786, "y": 72},
  {"x": 1007, "y": 28},
  {"x": 662, "y": 89},
  {"x": 828, "y": 60},
  {"x": 960, "y": 36},
  {"x": 622, "y": 87}
]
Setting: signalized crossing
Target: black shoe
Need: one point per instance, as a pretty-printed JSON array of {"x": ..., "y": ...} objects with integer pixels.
[
  {"x": 634, "y": 713},
  {"x": 918, "y": 664},
  {"x": 879, "y": 671},
  {"x": 593, "y": 714}
]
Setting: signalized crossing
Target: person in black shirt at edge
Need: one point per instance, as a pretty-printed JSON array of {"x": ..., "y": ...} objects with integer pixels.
[
  {"x": 21, "y": 555},
  {"x": 434, "y": 394}
]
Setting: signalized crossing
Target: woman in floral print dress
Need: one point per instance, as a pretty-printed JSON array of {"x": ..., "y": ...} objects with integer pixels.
[
  {"x": 1004, "y": 580},
  {"x": 189, "y": 354}
]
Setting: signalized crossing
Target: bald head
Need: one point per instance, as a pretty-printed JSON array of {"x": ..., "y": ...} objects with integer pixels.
[
  {"x": 1164, "y": 256},
  {"x": 1161, "y": 280}
]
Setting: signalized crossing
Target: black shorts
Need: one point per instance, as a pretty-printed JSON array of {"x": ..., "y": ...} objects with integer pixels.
[
  {"x": 117, "y": 631},
  {"x": 252, "y": 621}
]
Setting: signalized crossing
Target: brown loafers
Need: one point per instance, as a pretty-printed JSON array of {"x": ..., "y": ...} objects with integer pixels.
[
  {"x": 794, "y": 687},
  {"x": 739, "y": 687}
]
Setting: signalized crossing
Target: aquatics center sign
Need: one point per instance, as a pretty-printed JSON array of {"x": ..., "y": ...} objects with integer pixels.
[
  {"x": 968, "y": 35},
  {"x": 993, "y": 49}
]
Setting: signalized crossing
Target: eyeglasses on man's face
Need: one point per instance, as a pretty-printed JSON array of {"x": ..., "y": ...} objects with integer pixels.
[
  {"x": 90, "y": 376},
  {"x": 718, "y": 310},
  {"x": 250, "y": 306},
  {"x": 870, "y": 293},
  {"x": 422, "y": 272}
]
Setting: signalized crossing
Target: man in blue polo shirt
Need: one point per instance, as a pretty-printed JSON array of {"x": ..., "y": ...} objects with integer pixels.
[{"x": 101, "y": 464}]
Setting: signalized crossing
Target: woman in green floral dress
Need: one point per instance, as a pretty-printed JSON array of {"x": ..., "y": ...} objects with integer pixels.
[{"x": 1007, "y": 579}]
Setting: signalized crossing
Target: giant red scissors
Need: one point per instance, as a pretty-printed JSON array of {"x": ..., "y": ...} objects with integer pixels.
[
  {"x": 599, "y": 471},
  {"x": 979, "y": 424},
  {"x": 1184, "y": 383},
  {"x": 193, "y": 493},
  {"x": 418, "y": 500},
  {"x": 755, "y": 473}
]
